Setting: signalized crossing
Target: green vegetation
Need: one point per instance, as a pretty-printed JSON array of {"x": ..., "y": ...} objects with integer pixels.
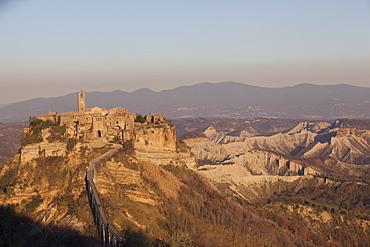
[
  {"x": 139, "y": 119},
  {"x": 9, "y": 178},
  {"x": 173, "y": 169},
  {"x": 56, "y": 133},
  {"x": 33, "y": 203},
  {"x": 37, "y": 126}
]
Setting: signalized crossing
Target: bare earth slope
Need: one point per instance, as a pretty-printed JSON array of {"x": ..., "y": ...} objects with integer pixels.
[{"x": 237, "y": 160}]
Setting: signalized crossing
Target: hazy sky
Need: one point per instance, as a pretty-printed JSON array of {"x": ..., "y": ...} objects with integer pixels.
[{"x": 54, "y": 47}]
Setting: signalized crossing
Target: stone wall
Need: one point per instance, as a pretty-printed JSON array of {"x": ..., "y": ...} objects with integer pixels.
[{"x": 38, "y": 150}]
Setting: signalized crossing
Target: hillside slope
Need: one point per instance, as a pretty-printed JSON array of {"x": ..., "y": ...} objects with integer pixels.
[{"x": 161, "y": 202}]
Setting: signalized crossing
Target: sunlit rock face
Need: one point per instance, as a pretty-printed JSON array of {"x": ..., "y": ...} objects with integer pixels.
[{"x": 153, "y": 136}]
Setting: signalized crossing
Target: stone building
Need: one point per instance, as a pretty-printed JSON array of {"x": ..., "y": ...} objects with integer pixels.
[
  {"x": 98, "y": 126},
  {"x": 155, "y": 118},
  {"x": 89, "y": 124}
]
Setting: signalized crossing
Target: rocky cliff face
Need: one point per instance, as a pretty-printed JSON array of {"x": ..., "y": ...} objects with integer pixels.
[
  {"x": 115, "y": 176},
  {"x": 40, "y": 150},
  {"x": 153, "y": 136}
]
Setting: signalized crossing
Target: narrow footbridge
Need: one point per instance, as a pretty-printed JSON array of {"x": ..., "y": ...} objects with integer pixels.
[{"x": 107, "y": 232}]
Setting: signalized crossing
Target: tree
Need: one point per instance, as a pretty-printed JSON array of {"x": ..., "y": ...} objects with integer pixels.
[{"x": 139, "y": 119}]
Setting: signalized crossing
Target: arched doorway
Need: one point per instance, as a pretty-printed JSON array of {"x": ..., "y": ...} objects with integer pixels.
[{"x": 99, "y": 133}]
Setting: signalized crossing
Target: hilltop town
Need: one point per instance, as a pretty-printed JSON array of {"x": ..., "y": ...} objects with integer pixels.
[
  {"x": 88, "y": 124},
  {"x": 96, "y": 126}
]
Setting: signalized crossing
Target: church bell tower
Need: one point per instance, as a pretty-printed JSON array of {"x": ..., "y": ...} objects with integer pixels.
[{"x": 81, "y": 101}]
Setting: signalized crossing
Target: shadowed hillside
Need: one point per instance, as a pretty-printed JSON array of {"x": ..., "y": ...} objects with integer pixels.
[{"x": 19, "y": 230}]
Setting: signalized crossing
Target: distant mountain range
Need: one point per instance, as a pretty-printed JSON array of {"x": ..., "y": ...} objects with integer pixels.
[{"x": 225, "y": 99}]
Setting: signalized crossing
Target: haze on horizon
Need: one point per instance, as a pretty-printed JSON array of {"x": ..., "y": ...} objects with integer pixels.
[{"x": 51, "y": 48}]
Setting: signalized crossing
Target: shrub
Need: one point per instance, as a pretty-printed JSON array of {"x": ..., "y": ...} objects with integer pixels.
[
  {"x": 35, "y": 122},
  {"x": 9, "y": 178},
  {"x": 140, "y": 119},
  {"x": 174, "y": 169},
  {"x": 56, "y": 133},
  {"x": 33, "y": 204},
  {"x": 60, "y": 129},
  {"x": 29, "y": 138},
  {"x": 37, "y": 125},
  {"x": 71, "y": 143},
  {"x": 34, "y": 135}
]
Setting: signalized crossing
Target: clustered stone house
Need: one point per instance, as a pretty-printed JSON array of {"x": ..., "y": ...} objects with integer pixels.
[
  {"x": 99, "y": 126},
  {"x": 89, "y": 124}
]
